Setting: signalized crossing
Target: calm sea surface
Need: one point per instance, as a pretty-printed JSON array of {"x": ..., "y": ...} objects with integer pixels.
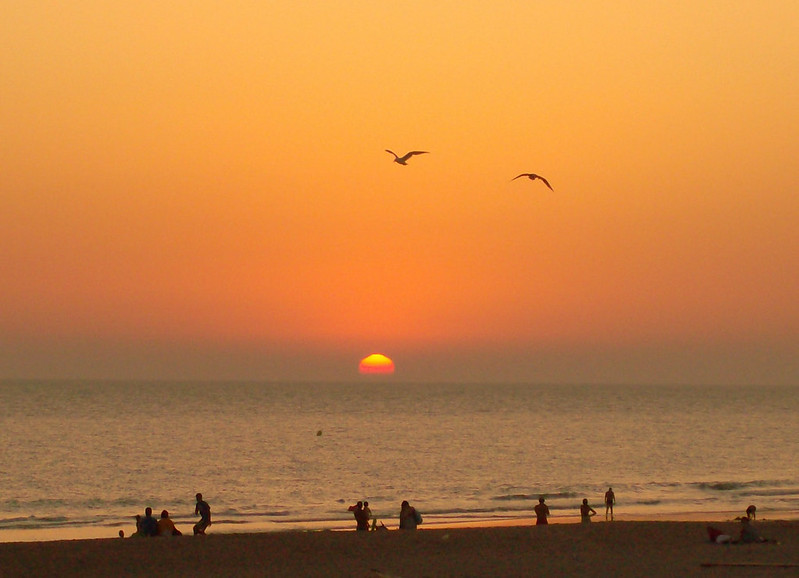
[{"x": 86, "y": 456}]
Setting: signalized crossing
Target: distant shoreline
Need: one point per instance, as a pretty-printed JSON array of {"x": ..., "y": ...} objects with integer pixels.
[{"x": 430, "y": 522}]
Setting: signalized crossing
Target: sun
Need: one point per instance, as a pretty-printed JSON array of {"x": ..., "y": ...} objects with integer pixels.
[{"x": 376, "y": 363}]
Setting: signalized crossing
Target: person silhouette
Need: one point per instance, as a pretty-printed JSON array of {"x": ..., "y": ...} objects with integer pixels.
[
  {"x": 541, "y": 512},
  {"x": 361, "y": 516},
  {"x": 204, "y": 510},
  {"x": 610, "y": 499},
  {"x": 166, "y": 527},
  {"x": 409, "y": 518},
  {"x": 370, "y": 519},
  {"x": 149, "y": 525},
  {"x": 586, "y": 512}
]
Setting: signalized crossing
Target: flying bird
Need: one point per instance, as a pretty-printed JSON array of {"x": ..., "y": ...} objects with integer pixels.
[
  {"x": 404, "y": 160},
  {"x": 533, "y": 177}
]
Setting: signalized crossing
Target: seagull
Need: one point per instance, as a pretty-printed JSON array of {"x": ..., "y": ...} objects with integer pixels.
[
  {"x": 404, "y": 160},
  {"x": 533, "y": 177}
]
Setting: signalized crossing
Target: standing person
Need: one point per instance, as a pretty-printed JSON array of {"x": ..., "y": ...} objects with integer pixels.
[
  {"x": 541, "y": 512},
  {"x": 586, "y": 512},
  {"x": 361, "y": 516},
  {"x": 370, "y": 520},
  {"x": 204, "y": 510},
  {"x": 409, "y": 518},
  {"x": 610, "y": 499}
]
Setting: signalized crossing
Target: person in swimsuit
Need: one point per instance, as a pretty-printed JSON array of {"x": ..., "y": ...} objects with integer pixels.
[
  {"x": 204, "y": 510},
  {"x": 541, "y": 512},
  {"x": 586, "y": 512},
  {"x": 610, "y": 499}
]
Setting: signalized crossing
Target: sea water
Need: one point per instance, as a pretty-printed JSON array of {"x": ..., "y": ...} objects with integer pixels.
[{"x": 80, "y": 459}]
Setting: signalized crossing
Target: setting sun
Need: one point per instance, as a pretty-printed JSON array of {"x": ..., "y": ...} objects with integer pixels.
[{"x": 376, "y": 363}]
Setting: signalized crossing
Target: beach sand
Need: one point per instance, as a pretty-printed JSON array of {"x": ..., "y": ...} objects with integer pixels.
[{"x": 597, "y": 549}]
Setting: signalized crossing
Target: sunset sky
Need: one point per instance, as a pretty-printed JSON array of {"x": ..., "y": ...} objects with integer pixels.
[{"x": 199, "y": 189}]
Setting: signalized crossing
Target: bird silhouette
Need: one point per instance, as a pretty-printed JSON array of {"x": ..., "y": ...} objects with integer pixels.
[
  {"x": 533, "y": 177},
  {"x": 404, "y": 159}
]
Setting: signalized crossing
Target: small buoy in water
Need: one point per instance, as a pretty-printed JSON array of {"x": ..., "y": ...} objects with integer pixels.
[{"x": 319, "y": 432}]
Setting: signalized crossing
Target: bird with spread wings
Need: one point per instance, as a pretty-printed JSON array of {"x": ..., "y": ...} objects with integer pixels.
[
  {"x": 532, "y": 177},
  {"x": 403, "y": 160}
]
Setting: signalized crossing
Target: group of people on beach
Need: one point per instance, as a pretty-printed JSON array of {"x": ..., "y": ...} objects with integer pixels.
[
  {"x": 409, "y": 518},
  {"x": 148, "y": 527},
  {"x": 748, "y": 533},
  {"x": 586, "y": 511}
]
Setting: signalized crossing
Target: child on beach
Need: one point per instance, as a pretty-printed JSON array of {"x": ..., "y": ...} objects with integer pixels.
[{"x": 369, "y": 518}]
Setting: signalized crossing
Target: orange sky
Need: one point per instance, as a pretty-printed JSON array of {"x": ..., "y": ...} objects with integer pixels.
[{"x": 201, "y": 190}]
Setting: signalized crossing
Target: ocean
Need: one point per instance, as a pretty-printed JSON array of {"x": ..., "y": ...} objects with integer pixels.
[{"x": 80, "y": 459}]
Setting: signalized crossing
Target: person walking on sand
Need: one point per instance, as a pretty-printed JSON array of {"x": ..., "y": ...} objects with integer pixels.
[
  {"x": 541, "y": 512},
  {"x": 610, "y": 499},
  {"x": 204, "y": 510},
  {"x": 586, "y": 512}
]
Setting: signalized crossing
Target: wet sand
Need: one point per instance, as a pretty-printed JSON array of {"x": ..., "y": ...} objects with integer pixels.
[{"x": 618, "y": 548}]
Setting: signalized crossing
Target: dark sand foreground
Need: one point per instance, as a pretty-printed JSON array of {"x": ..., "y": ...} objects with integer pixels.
[{"x": 599, "y": 549}]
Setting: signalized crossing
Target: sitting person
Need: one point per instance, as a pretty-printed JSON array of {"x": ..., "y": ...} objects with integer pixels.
[
  {"x": 137, "y": 533},
  {"x": 717, "y": 536},
  {"x": 749, "y": 535},
  {"x": 149, "y": 525},
  {"x": 166, "y": 527}
]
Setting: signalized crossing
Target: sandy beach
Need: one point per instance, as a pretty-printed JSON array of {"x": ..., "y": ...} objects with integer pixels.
[{"x": 596, "y": 549}]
